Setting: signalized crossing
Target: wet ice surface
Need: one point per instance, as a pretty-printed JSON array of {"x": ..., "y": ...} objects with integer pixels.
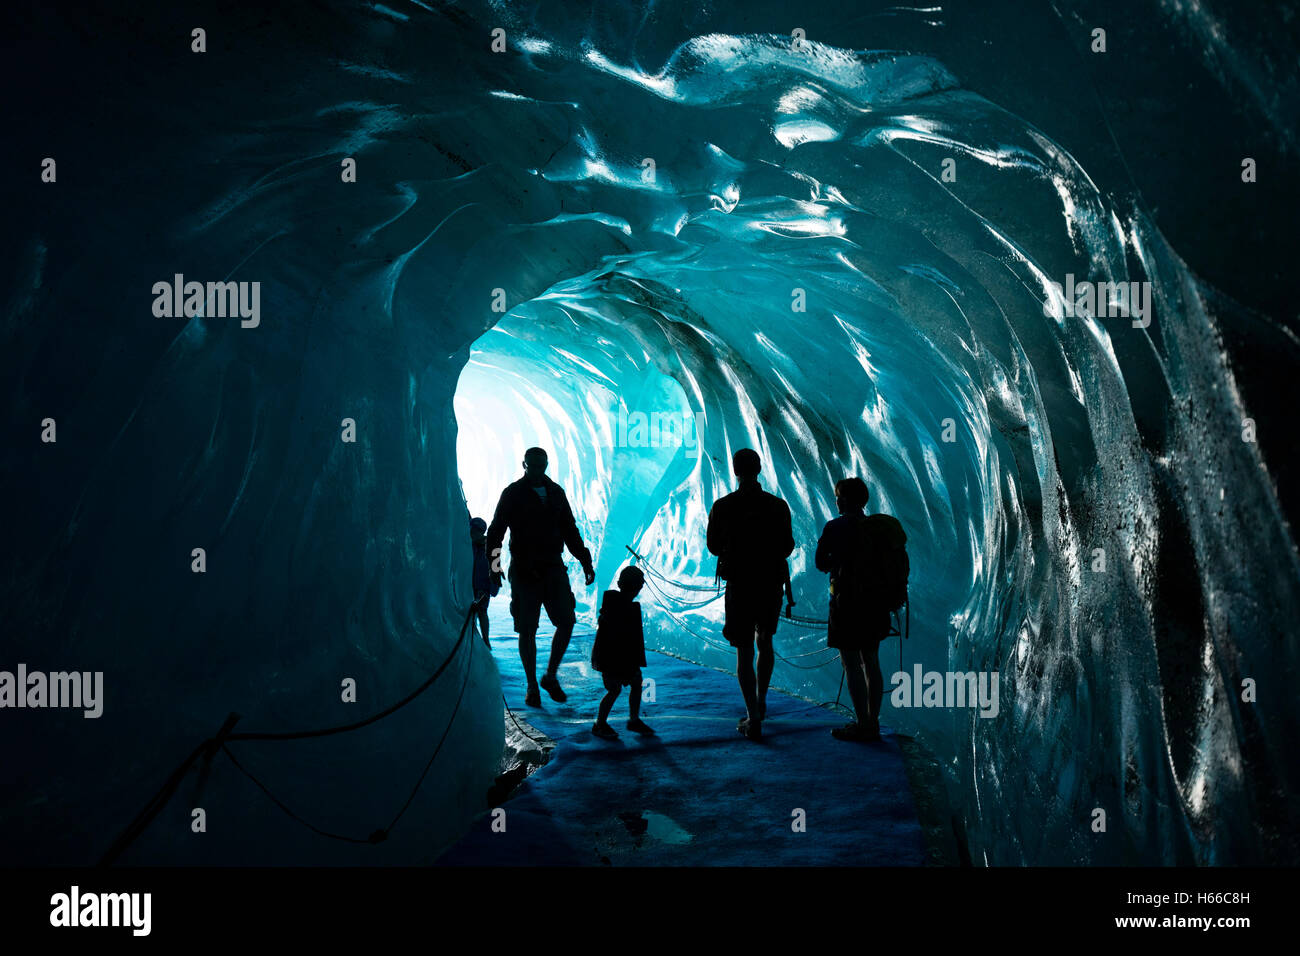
[
  {"x": 523, "y": 172},
  {"x": 697, "y": 793}
]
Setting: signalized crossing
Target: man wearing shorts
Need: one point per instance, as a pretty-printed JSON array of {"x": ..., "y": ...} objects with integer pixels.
[
  {"x": 536, "y": 512},
  {"x": 749, "y": 530}
]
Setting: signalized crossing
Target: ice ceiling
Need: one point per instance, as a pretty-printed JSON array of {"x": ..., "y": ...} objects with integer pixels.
[
  {"x": 759, "y": 242},
  {"x": 802, "y": 271}
]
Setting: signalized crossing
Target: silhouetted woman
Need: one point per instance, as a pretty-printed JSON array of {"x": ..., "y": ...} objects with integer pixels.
[{"x": 864, "y": 555}]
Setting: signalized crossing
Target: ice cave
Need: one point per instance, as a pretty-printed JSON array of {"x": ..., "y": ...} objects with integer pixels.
[{"x": 643, "y": 236}]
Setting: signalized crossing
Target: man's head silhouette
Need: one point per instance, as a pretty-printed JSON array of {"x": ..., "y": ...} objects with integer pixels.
[
  {"x": 535, "y": 465},
  {"x": 851, "y": 495},
  {"x": 746, "y": 464}
]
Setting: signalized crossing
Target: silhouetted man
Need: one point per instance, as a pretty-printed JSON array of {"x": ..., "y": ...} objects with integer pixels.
[
  {"x": 537, "y": 513},
  {"x": 865, "y": 557},
  {"x": 749, "y": 531}
]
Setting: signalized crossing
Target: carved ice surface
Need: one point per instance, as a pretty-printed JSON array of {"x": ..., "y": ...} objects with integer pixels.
[{"x": 791, "y": 273}]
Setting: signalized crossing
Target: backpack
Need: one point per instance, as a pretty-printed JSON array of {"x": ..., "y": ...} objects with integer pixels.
[{"x": 875, "y": 575}]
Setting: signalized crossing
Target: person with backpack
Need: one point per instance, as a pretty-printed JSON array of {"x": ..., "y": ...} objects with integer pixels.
[
  {"x": 750, "y": 532},
  {"x": 866, "y": 558}
]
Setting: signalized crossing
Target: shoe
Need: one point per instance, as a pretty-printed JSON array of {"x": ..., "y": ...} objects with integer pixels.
[
  {"x": 639, "y": 726},
  {"x": 552, "y": 686},
  {"x": 752, "y": 729},
  {"x": 602, "y": 729},
  {"x": 533, "y": 698}
]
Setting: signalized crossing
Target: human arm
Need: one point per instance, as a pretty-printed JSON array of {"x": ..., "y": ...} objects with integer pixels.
[
  {"x": 825, "y": 557},
  {"x": 573, "y": 537},
  {"x": 496, "y": 534},
  {"x": 716, "y": 534},
  {"x": 789, "y": 591},
  {"x": 785, "y": 540}
]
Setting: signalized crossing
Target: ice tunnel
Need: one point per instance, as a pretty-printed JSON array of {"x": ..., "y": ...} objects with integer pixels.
[{"x": 642, "y": 236}]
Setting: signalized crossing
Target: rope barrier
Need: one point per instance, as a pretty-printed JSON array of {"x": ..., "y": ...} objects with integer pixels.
[
  {"x": 209, "y": 747},
  {"x": 651, "y": 575},
  {"x": 813, "y": 667},
  {"x": 682, "y": 606},
  {"x": 511, "y": 713},
  {"x": 676, "y": 620},
  {"x": 714, "y": 589},
  {"x": 727, "y": 647},
  {"x": 377, "y": 836},
  {"x": 806, "y": 621},
  {"x": 220, "y": 741}
]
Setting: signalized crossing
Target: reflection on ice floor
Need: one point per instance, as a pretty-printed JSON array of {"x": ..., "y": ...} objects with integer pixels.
[{"x": 697, "y": 793}]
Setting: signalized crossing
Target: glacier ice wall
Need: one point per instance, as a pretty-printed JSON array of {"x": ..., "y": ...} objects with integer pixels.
[{"x": 780, "y": 175}]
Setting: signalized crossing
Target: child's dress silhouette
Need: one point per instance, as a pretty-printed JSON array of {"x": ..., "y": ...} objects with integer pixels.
[{"x": 619, "y": 650}]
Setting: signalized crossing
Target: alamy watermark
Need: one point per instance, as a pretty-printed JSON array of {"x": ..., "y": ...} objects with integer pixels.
[
  {"x": 75, "y": 909},
  {"x": 219, "y": 300},
  {"x": 658, "y": 430},
  {"x": 74, "y": 689},
  {"x": 946, "y": 689},
  {"x": 1102, "y": 300}
]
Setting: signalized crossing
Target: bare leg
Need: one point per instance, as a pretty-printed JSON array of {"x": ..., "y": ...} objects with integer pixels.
[
  {"x": 766, "y": 664},
  {"x": 876, "y": 683},
  {"x": 607, "y": 704},
  {"x": 634, "y": 698},
  {"x": 528, "y": 656},
  {"x": 745, "y": 674},
  {"x": 559, "y": 644},
  {"x": 855, "y": 676}
]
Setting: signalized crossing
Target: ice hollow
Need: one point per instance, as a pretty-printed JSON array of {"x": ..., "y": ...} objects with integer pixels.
[{"x": 642, "y": 258}]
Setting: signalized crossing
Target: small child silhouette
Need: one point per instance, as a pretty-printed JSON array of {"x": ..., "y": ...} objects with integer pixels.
[
  {"x": 619, "y": 652},
  {"x": 485, "y": 584}
]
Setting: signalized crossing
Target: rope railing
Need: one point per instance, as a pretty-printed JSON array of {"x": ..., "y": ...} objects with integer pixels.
[
  {"x": 713, "y": 589},
  {"x": 219, "y": 742},
  {"x": 652, "y": 575},
  {"x": 206, "y": 750},
  {"x": 727, "y": 647}
]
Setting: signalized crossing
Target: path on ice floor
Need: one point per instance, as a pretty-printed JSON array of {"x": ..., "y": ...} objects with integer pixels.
[{"x": 697, "y": 793}]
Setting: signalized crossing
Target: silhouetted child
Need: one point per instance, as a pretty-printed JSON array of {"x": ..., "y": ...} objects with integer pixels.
[
  {"x": 485, "y": 585},
  {"x": 619, "y": 652}
]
